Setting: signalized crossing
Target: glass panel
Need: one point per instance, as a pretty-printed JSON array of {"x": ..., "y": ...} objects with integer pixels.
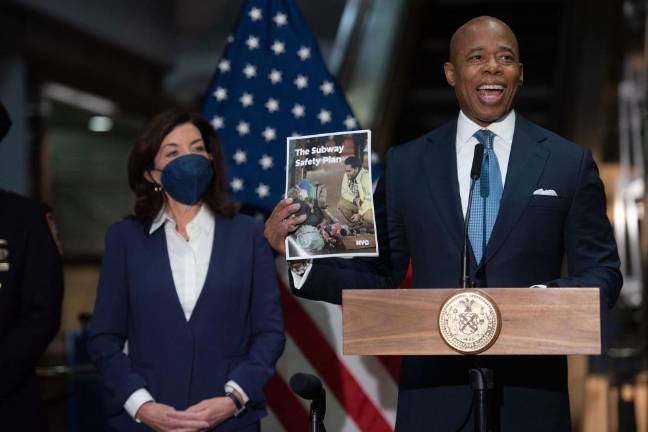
[{"x": 85, "y": 158}]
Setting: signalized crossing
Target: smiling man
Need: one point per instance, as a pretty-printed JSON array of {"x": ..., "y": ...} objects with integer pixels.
[
  {"x": 485, "y": 71},
  {"x": 539, "y": 199}
]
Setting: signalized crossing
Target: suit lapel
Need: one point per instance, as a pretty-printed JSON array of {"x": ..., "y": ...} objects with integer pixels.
[
  {"x": 217, "y": 261},
  {"x": 168, "y": 293},
  {"x": 526, "y": 163},
  {"x": 439, "y": 166}
]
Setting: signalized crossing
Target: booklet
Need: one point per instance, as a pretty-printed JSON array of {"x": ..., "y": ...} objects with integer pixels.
[{"x": 330, "y": 176}]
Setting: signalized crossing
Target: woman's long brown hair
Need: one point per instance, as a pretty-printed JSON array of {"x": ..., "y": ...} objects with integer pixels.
[{"x": 148, "y": 200}]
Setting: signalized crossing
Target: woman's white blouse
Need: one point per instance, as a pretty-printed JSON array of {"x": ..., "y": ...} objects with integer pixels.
[{"x": 189, "y": 259}]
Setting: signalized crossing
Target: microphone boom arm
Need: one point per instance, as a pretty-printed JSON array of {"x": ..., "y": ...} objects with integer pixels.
[{"x": 475, "y": 173}]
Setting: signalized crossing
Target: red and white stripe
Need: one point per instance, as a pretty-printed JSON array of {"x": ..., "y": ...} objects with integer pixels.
[{"x": 361, "y": 390}]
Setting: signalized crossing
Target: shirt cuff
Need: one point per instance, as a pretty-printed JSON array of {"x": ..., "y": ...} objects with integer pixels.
[
  {"x": 135, "y": 401},
  {"x": 298, "y": 280},
  {"x": 230, "y": 386},
  {"x": 539, "y": 286}
]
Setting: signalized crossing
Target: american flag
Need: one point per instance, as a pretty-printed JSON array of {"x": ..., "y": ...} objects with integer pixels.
[{"x": 271, "y": 83}]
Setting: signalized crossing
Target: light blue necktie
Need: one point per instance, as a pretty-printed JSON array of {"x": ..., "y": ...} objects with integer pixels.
[{"x": 486, "y": 197}]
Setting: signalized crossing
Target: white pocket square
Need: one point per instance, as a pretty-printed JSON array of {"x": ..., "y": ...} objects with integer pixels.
[{"x": 545, "y": 192}]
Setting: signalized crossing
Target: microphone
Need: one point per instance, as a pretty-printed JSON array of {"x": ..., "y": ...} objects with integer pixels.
[
  {"x": 307, "y": 386},
  {"x": 475, "y": 172},
  {"x": 310, "y": 387}
]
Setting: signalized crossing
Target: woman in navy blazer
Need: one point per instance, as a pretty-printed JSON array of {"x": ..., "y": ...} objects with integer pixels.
[{"x": 188, "y": 286}]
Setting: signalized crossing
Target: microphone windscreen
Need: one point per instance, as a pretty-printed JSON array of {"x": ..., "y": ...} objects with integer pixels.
[
  {"x": 475, "y": 171},
  {"x": 307, "y": 386}
]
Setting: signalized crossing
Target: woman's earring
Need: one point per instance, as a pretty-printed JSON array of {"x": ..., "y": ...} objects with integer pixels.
[{"x": 157, "y": 188}]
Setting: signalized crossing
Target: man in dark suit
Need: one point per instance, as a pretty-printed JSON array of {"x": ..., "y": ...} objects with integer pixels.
[
  {"x": 31, "y": 290},
  {"x": 544, "y": 200}
]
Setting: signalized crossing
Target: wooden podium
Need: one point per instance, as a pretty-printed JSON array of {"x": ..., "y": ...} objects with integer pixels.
[{"x": 534, "y": 321}]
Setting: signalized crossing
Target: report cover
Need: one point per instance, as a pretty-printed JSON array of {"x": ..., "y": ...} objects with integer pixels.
[{"x": 330, "y": 176}]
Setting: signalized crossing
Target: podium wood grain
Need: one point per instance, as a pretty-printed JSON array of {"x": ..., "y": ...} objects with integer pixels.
[{"x": 534, "y": 321}]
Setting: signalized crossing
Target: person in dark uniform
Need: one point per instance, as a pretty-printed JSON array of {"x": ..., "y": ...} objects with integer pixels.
[{"x": 31, "y": 291}]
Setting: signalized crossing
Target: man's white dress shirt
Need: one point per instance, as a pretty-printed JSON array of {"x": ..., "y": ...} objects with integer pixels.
[
  {"x": 465, "y": 146},
  {"x": 189, "y": 260}
]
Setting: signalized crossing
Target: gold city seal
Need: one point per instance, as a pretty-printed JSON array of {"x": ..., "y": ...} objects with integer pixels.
[{"x": 469, "y": 322}]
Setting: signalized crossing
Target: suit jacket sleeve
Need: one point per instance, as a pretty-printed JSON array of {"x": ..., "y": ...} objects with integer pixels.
[
  {"x": 267, "y": 342},
  {"x": 109, "y": 326},
  {"x": 41, "y": 290},
  {"x": 329, "y": 276},
  {"x": 591, "y": 250}
]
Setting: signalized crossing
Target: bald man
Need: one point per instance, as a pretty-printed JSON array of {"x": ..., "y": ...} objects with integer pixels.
[{"x": 539, "y": 199}]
